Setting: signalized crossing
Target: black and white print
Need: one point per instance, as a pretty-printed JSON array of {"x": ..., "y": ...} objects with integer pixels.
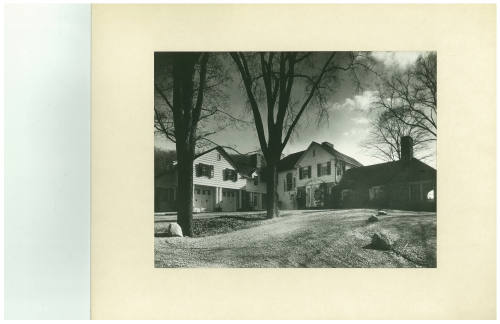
[{"x": 295, "y": 159}]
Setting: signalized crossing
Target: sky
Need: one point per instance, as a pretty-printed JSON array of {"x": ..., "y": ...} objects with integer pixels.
[{"x": 347, "y": 126}]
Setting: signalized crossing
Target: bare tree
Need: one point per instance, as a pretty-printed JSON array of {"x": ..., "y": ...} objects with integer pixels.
[
  {"x": 411, "y": 95},
  {"x": 182, "y": 109},
  {"x": 385, "y": 134},
  {"x": 280, "y": 86}
]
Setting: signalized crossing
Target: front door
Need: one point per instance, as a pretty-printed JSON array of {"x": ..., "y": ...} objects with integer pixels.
[{"x": 301, "y": 197}]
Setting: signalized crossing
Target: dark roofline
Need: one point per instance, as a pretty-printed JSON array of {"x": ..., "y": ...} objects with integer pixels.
[
  {"x": 335, "y": 153},
  {"x": 390, "y": 162},
  {"x": 283, "y": 165},
  {"x": 364, "y": 171}
]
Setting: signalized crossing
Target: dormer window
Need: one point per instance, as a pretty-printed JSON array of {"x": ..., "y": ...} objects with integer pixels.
[{"x": 229, "y": 174}]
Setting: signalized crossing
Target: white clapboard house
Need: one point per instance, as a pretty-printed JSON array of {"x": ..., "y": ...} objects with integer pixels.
[
  {"x": 222, "y": 182},
  {"x": 232, "y": 182},
  {"x": 306, "y": 177}
]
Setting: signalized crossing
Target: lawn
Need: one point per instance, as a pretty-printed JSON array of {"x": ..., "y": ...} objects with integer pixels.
[
  {"x": 225, "y": 224},
  {"x": 338, "y": 238}
]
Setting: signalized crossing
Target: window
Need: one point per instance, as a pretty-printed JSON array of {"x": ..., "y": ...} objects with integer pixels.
[
  {"x": 289, "y": 181},
  {"x": 218, "y": 157},
  {"x": 324, "y": 169},
  {"x": 204, "y": 170},
  {"x": 224, "y": 193},
  {"x": 208, "y": 192},
  {"x": 314, "y": 152},
  {"x": 229, "y": 174},
  {"x": 197, "y": 191},
  {"x": 256, "y": 180},
  {"x": 305, "y": 172},
  {"x": 340, "y": 167},
  {"x": 376, "y": 192}
]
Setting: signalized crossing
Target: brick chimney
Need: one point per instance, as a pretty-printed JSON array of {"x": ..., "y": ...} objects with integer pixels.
[
  {"x": 327, "y": 144},
  {"x": 406, "y": 148}
]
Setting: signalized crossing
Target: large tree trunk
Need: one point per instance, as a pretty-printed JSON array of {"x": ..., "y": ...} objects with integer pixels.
[
  {"x": 272, "y": 191},
  {"x": 185, "y": 134},
  {"x": 185, "y": 192}
]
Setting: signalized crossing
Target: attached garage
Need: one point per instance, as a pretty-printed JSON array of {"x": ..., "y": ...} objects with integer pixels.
[
  {"x": 203, "y": 199},
  {"x": 229, "y": 200}
]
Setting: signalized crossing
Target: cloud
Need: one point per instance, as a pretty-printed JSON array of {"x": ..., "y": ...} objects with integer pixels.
[
  {"x": 361, "y": 120},
  {"x": 359, "y": 103},
  {"x": 399, "y": 59}
]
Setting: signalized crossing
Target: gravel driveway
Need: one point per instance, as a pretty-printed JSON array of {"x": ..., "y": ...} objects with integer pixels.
[{"x": 314, "y": 239}]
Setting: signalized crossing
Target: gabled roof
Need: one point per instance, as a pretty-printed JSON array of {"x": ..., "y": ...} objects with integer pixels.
[
  {"x": 222, "y": 152},
  {"x": 289, "y": 161},
  {"x": 389, "y": 172},
  {"x": 339, "y": 155},
  {"x": 245, "y": 164},
  {"x": 242, "y": 163},
  {"x": 329, "y": 148}
]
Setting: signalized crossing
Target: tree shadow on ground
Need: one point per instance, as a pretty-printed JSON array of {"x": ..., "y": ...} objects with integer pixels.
[{"x": 244, "y": 218}]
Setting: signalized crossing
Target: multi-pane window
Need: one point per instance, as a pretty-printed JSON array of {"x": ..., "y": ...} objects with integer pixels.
[
  {"x": 229, "y": 174},
  {"x": 204, "y": 170},
  {"x": 305, "y": 172},
  {"x": 324, "y": 169}
]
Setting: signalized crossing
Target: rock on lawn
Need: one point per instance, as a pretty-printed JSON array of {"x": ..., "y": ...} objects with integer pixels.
[
  {"x": 381, "y": 241},
  {"x": 372, "y": 219},
  {"x": 167, "y": 229}
]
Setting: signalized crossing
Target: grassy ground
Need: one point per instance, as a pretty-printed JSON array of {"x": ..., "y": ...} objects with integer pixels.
[
  {"x": 339, "y": 238},
  {"x": 225, "y": 224}
]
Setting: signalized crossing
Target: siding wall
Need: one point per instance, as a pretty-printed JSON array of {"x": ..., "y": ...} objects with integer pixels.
[
  {"x": 314, "y": 155},
  {"x": 211, "y": 158}
]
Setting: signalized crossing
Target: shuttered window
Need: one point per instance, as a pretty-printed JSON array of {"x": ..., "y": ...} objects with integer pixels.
[
  {"x": 324, "y": 169},
  {"x": 204, "y": 170},
  {"x": 305, "y": 172}
]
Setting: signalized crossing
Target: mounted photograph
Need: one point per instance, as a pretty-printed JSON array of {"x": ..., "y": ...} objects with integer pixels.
[{"x": 295, "y": 159}]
